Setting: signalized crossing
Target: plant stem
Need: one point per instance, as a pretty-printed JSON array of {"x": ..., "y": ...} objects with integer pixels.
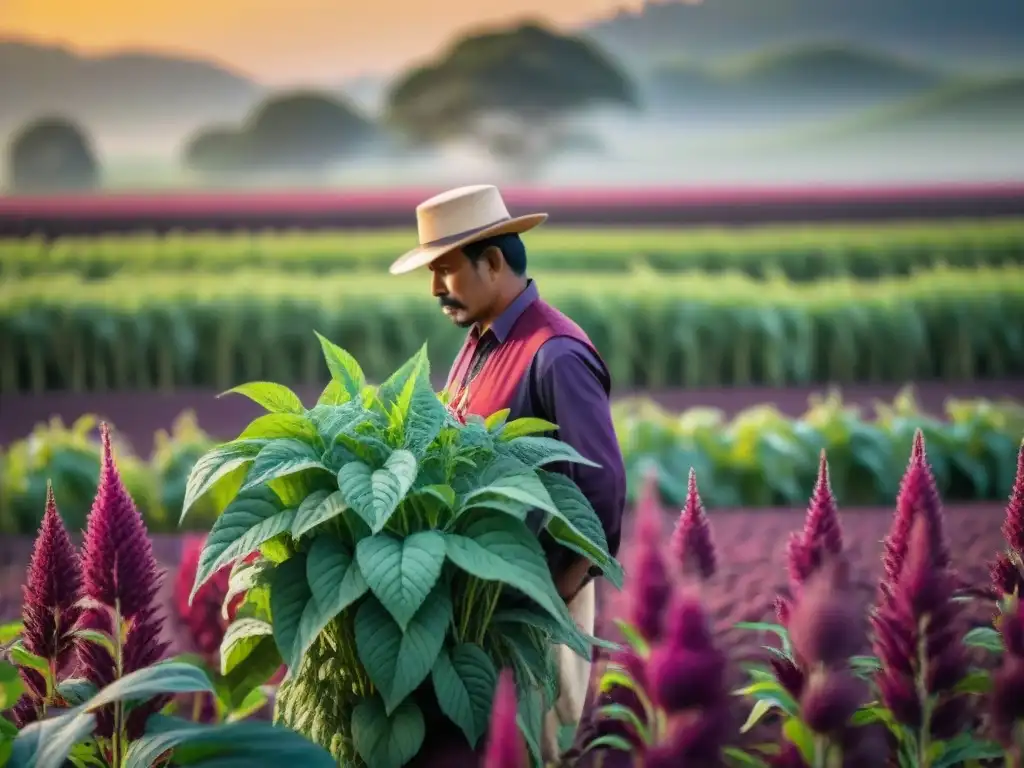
[
  {"x": 119, "y": 672},
  {"x": 467, "y": 607},
  {"x": 820, "y": 750},
  {"x": 492, "y": 603}
]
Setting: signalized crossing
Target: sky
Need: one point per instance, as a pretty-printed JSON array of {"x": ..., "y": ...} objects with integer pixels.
[{"x": 283, "y": 42}]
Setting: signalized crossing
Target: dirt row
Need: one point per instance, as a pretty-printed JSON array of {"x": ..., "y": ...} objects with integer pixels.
[
  {"x": 137, "y": 415},
  {"x": 751, "y": 553}
]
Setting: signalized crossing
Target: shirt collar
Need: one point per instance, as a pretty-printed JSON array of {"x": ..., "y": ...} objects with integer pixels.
[{"x": 502, "y": 326}]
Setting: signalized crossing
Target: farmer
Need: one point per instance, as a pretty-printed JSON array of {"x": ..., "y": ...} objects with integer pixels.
[{"x": 523, "y": 354}]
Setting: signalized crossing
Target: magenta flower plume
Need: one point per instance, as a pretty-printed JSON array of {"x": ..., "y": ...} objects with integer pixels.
[
  {"x": 648, "y": 590},
  {"x": 49, "y": 608},
  {"x": 692, "y": 545},
  {"x": 1006, "y": 701},
  {"x": 918, "y": 498},
  {"x": 121, "y": 581},
  {"x": 921, "y": 613},
  {"x": 1008, "y": 569},
  {"x": 825, "y": 625},
  {"x": 822, "y": 535},
  {"x": 505, "y": 746}
]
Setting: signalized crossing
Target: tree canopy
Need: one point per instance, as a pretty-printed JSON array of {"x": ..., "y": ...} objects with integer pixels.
[
  {"x": 301, "y": 131},
  {"x": 507, "y": 89},
  {"x": 51, "y": 154}
]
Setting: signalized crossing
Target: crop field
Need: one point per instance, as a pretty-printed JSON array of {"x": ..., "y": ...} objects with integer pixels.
[{"x": 798, "y": 252}]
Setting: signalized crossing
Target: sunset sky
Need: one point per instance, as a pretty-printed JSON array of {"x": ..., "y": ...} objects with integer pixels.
[{"x": 281, "y": 41}]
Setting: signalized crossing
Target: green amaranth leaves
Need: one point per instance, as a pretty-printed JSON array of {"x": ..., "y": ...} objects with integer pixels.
[
  {"x": 254, "y": 517},
  {"x": 464, "y": 682},
  {"x": 289, "y": 595},
  {"x": 215, "y": 465},
  {"x": 402, "y": 572},
  {"x": 375, "y": 495},
  {"x": 398, "y": 662},
  {"x": 386, "y": 740},
  {"x": 281, "y": 458},
  {"x": 344, "y": 370},
  {"x": 275, "y": 398}
]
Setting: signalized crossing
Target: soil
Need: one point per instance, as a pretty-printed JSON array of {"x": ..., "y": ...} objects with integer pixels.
[{"x": 137, "y": 415}]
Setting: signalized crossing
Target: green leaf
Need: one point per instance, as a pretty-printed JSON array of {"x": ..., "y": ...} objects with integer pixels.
[
  {"x": 576, "y": 526},
  {"x": 609, "y": 741},
  {"x": 985, "y": 637},
  {"x": 96, "y": 637},
  {"x": 797, "y": 732},
  {"x": 281, "y": 458},
  {"x": 332, "y": 421},
  {"x": 240, "y": 640},
  {"x": 498, "y": 548},
  {"x": 289, "y": 595},
  {"x": 312, "y": 511},
  {"x": 530, "y": 718},
  {"x": 375, "y": 495},
  {"x": 387, "y": 740},
  {"x": 402, "y": 572},
  {"x": 765, "y": 626},
  {"x": 10, "y": 631},
  {"x": 772, "y": 691},
  {"x": 260, "y": 742},
  {"x": 25, "y": 658},
  {"x": 496, "y": 420},
  {"x": 214, "y": 466},
  {"x": 245, "y": 574},
  {"x": 344, "y": 369},
  {"x": 761, "y": 708},
  {"x": 624, "y": 714},
  {"x": 526, "y": 489},
  {"x": 398, "y": 383},
  {"x": 535, "y": 452},
  {"x": 275, "y": 398},
  {"x": 272, "y": 426},
  {"x": 398, "y": 662},
  {"x": 465, "y": 682},
  {"x": 335, "y": 583},
  {"x": 574, "y": 639},
  {"x": 254, "y": 517},
  {"x": 735, "y": 756},
  {"x": 47, "y": 743},
  {"x": 76, "y": 690},
  {"x": 965, "y": 747},
  {"x": 251, "y": 672},
  {"x": 977, "y": 682},
  {"x": 633, "y": 638},
  {"x": 527, "y": 425},
  {"x": 163, "y": 677}
]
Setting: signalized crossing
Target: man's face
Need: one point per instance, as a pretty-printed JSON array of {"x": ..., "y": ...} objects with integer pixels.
[{"x": 465, "y": 291}]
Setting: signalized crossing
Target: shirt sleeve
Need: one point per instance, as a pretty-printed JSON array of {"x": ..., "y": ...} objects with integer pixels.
[{"x": 571, "y": 388}]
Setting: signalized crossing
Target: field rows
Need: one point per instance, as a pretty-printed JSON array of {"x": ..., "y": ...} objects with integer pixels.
[
  {"x": 655, "y": 331},
  {"x": 757, "y": 457},
  {"x": 799, "y": 253}
]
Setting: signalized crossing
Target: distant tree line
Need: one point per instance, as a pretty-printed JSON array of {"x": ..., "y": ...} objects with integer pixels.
[{"x": 509, "y": 91}]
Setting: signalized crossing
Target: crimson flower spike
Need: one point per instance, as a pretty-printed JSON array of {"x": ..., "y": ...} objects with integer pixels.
[
  {"x": 505, "y": 746},
  {"x": 649, "y": 588},
  {"x": 120, "y": 590},
  {"x": 49, "y": 609},
  {"x": 1008, "y": 569},
  {"x": 822, "y": 535},
  {"x": 918, "y": 497},
  {"x": 1006, "y": 704},
  {"x": 692, "y": 545}
]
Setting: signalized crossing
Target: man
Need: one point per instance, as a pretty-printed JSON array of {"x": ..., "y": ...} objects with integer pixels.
[{"x": 523, "y": 354}]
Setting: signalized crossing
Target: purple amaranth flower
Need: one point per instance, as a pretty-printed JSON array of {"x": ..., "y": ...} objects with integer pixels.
[
  {"x": 692, "y": 545},
  {"x": 830, "y": 698},
  {"x": 1006, "y": 701},
  {"x": 825, "y": 625},
  {"x": 505, "y": 746},
  {"x": 648, "y": 590},
  {"x": 693, "y": 738},
  {"x": 49, "y": 608},
  {"x": 1008, "y": 569},
  {"x": 822, "y": 535},
  {"x": 918, "y": 498},
  {"x": 121, "y": 579},
  {"x": 920, "y": 613}
]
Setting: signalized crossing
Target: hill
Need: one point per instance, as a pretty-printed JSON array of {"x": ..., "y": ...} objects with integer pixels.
[
  {"x": 806, "y": 76},
  {"x": 117, "y": 97},
  {"x": 966, "y": 32}
]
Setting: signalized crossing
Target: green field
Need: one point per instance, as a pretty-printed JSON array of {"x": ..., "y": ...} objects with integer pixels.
[
  {"x": 655, "y": 330},
  {"x": 801, "y": 253}
]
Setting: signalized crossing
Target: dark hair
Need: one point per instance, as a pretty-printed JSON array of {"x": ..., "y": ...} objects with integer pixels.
[{"x": 510, "y": 245}]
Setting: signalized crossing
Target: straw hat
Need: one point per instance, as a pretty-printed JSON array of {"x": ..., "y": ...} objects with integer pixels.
[{"x": 460, "y": 216}]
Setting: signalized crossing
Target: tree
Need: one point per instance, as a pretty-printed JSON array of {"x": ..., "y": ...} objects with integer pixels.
[
  {"x": 304, "y": 131},
  {"x": 509, "y": 90},
  {"x": 51, "y": 154}
]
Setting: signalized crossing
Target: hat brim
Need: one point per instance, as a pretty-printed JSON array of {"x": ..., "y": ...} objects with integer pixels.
[{"x": 426, "y": 254}]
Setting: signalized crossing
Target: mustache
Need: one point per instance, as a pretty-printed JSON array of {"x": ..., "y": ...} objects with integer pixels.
[{"x": 447, "y": 301}]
